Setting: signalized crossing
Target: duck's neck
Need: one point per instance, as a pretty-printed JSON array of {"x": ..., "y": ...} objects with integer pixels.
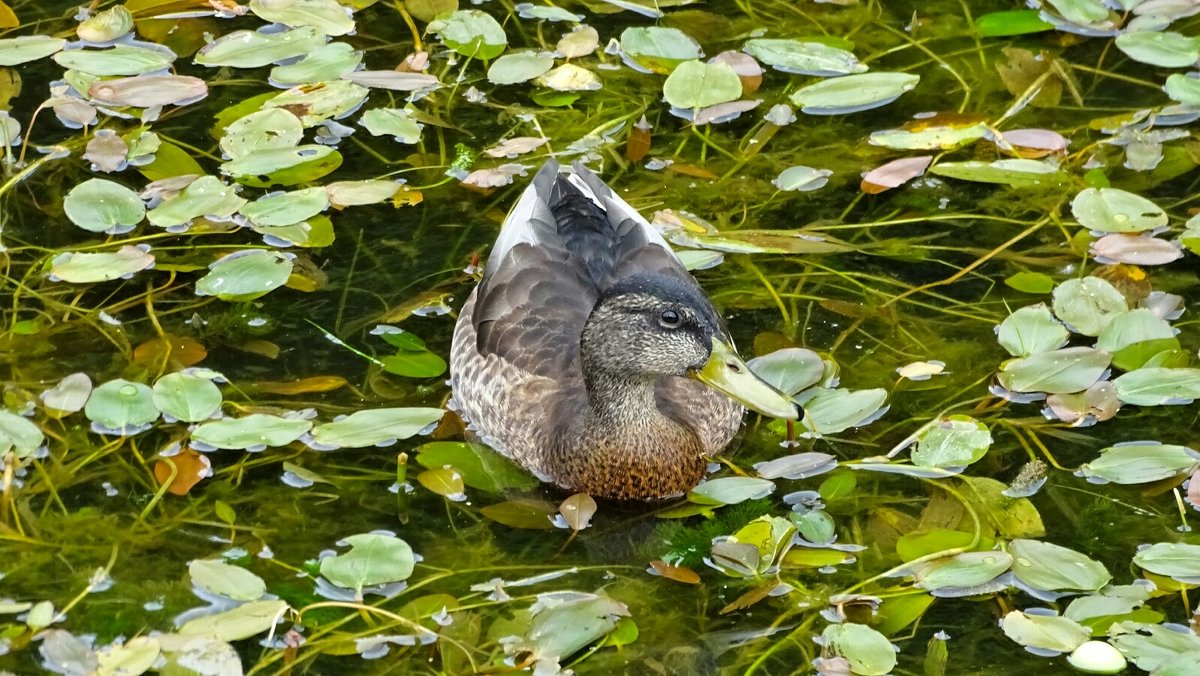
[{"x": 625, "y": 446}]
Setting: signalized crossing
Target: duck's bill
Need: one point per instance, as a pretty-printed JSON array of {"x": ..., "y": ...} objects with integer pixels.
[{"x": 727, "y": 373}]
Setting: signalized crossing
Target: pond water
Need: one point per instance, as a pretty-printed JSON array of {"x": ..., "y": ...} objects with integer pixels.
[{"x": 1050, "y": 185}]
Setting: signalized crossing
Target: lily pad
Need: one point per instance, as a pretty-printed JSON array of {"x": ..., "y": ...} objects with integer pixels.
[
  {"x": 1140, "y": 462},
  {"x": 223, "y": 579},
  {"x": 1030, "y": 330},
  {"x": 188, "y": 397},
  {"x": 868, "y": 651},
  {"x": 803, "y": 58},
  {"x": 802, "y": 179},
  {"x": 239, "y": 623},
  {"x": 326, "y": 16},
  {"x": 118, "y": 60},
  {"x": 101, "y": 205},
  {"x": 1013, "y": 172},
  {"x": 1087, "y": 305},
  {"x": 829, "y": 411},
  {"x": 15, "y": 51},
  {"x": 86, "y": 268},
  {"x": 695, "y": 84},
  {"x": 255, "y": 431},
  {"x": 121, "y": 407},
  {"x": 790, "y": 369},
  {"x": 956, "y": 441},
  {"x": 471, "y": 33},
  {"x": 286, "y": 208},
  {"x": 376, "y": 426},
  {"x": 1115, "y": 210},
  {"x": 18, "y": 435},
  {"x": 246, "y": 274},
  {"x": 1071, "y": 369},
  {"x": 261, "y": 130},
  {"x": 250, "y": 49},
  {"x": 327, "y": 62},
  {"x": 1160, "y": 48},
  {"x": 1044, "y": 632},
  {"x": 659, "y": 48},
  {"x": 1050, "y": 567},
  {"x": 481, "y": 467},
  {"x": 1177, "y": 560},
  {"x": 853, "y": 93},
  {"x": 373, "y": 559},
  {"x": 730, "y": 490},
  {"x": 395, "y": 122},
  {"x": 1158, "y": 386},
  {"x": 519, "y": 67},
  {"x": 205, "y": 197},
  {"x": 283, "y": 166},
  {"x": 966, "y": 570}
]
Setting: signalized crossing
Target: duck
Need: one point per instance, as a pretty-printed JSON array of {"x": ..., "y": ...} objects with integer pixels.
[{"x": 588, "y": 354}]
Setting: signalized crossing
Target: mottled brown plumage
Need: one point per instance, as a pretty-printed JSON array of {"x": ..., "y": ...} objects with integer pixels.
[{"x": 567, "y": 356}]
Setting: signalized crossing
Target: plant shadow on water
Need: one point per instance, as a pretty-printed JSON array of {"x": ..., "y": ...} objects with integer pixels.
[{"x": 234, "y": 239}]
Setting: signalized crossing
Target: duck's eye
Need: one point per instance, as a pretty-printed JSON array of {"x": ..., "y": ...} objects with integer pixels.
[{"x": 670, "y": 319}]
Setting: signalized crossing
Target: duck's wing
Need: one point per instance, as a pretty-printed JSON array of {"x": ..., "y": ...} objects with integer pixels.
[{"x": 566, "y": 240}]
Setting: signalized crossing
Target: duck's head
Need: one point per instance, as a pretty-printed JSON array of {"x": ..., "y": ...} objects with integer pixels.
[{"x": 648, "y": 326}]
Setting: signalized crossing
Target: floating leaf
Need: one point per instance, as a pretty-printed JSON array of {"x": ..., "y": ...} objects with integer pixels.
[
  {"x": 894, "y": 174},
  {"x": 853, "y": 93},
  {"x": 1115, "y": 210},
  {"x": 519, "y": 67},
  {"x": 1071, "y": 369},
  {"x": 105, "y": 26},
  {"x": 1135, "y": 250},
  {"x": 1160, "y": 48},
  {"x": 801, "y": 178},
  {"x": 283, "y": 166},
  {"x": 395, "y": 122},
  {"x": 245, "y": 275},
  {"x": 387, "y": 79},
  {"x": 1158, "y": 386},
  {"x": 357, "y": 193},
  {"x": 730, "y": 490},
  {"x": 471, "y": 33},
  {"x": 286, "y": 208},
  {"x": 963, "y": 571},
  {"x": 250, "y": 49},
  {"x": 803, "y": 58},
  {"x": 1051, "y": 567},
  {"x": 1177, "y": 560},
  {"x": 326, "y": 16},
  {"x": 86, "y": 268},
  {"x": 1087, "y": 305},
  {"x": 562, "y": 623},
  {"x": 255, "y": 431},
  {"x": 1140, "y": 462},
  {"x": 223, "y": 579},
  {"x": 184, "y": 470},
  {"x": 528, "y": 10},
  {"x": 121, "y": 407},
  {"x": 261, "y": 130},
  {"x": 1133, "y": 327},
  {"x": 18, "y": 435},
  {"x": 118, "y": 60},
  {"x": 1011, "y": 22},
  {"x": 1044, "y": 632},
  {"x": 15, "y": 51},
  {"x": 659, "y": 48},
  {"x": 327, "y": 62},
  {"x": 833, "y": 411},
  {"x": 577, "y": 511},
  {"x": 188, "y": 397},
  {"x": 1030, "y": 330},
  {"x": 581, "y": 41},
  {"x": 868, "y": 651},
  {"x": 205, "y": 197},
  {"x": 444, "y": 481},
  {"x": 797, "y": 466},
  {"x": 241, "y": 622},
  {"x": 146, "y": 91},
  {"x": 101, "y": 205},
  {"x": 930, "y": 136},
  {"x": 135, "y": 656},
  {"x": 68, "y": 396},
  {"x": 695, "y": 84},
  {"x": 376, "y": 426},
  {"x": 522, "y": 513},
  {"x": 1184, "y": 88},
  {"x": 315, "y": 103},
  {"x": 956, "y": 441},
  {"x": 481, "y": 467},
  {"x": 1016, "y": 173},
  {"x": 789, "y": 370}
]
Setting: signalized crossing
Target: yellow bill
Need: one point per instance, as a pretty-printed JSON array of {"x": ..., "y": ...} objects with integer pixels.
[{"x": 727, "y": 373}]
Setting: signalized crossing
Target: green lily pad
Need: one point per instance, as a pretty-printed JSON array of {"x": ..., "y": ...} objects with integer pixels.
[
  {"x": 101, "y": 205},
  {"x": 829, "y": 411},
  {"x": 519, "y": 67},
  {"x": 1159, "y": 386},
  {"x": 658, "y": 48},
  {"x": 969, "y": 569},
  {"x": 326, "y": 16},
  {"x": 121, "y": 407},
  {"x": 1177, "y": 560},
  {"x": 802, "y": 179},
  {"x": 790, "y": 369},
  {"x": 563, "y": 623},
  {"x": 1071, "y": 369},
  {"x": 1140, "y": 462},
  {"x": 414, "y": 364},
  {"x": 936, "y": 137},
  {"x": 1087, "y": 305},
  {"x": 1160, "y": 48},
  {"x": 695, "y": 84},
  {"x": 357, "y": 193},
  {"x": 480, "y": 467},
  {"x": 86, "y": 268},
  {"x": 803, "y": 58},
  {"x": 1044, "y": 632},
  {"x": 528, "y": 10},
  {"x": 1151, "y": 646},
  {"x": 245, "y": 274},
  {"x": 18, "y": 435},
  {"x": 853, "y": 93},
  {"x": 1133, "y": 327},
  {"x": 1184, "y": 88},
  {"x": 395, "y": 122},
  {"x": 730, "y": 490},
  {"x": 1115, "y": 210},
  {"x": 1051, "y": 567},
  {"x": 868, "y": 651},
  {"x": 327, "y": 62},
  {"x": 471, "y": 33},
  {"x": 15, "y": 51},
  {"x": 956, "y": 441},
  {"x": 118, "y": 60},
  {"x": 205, "y": 197},
  {"x": 1013, "y": 172},
  {"x": 1030, "y": 330},
  {"x": 135, "y": 656},
  {"x": 286, "y": 208},
  {"x": 68, "y": 396},
  {"x": 223, "y": 579},
  {"x": 1030, "y": 282},
  {"x": 322, "y": 101},
  {"x": 373, "y": 559},
  {"x": 241, "y": 622},
  {"x": 251, "y": 49},
  {"x": 261, "y": 130},
  {"x": 376, "y": 426},
  {"x": 254, "y": 431},
  {"x": 283, "y": 166},
  {"x": 187, "y": 396},
  {"x": 105, "y": 26},
  {"x": 1011, "y": 22}
]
